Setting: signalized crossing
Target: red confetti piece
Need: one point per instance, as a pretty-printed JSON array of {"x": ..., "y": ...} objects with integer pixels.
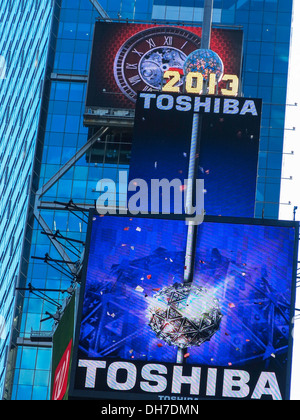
[
  {"x": 186, "y": 355},
  {"x": 126, "y": 228},
  {"x": 149, "y": 276}
]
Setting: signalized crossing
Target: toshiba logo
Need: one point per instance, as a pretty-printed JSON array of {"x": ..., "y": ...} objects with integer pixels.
[
  {"x": 61, "y": 376},
  {"x": 200, "y": 104}
]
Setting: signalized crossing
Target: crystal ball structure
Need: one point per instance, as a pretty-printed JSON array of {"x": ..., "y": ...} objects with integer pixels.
[
  {"x": 205, "y": 62},
  {"x": 184, "y": 315}
]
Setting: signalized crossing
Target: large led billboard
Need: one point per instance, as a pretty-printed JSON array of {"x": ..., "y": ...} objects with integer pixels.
[
  {"x": 232, "y": 324},
  {"x": 227, "y": 159},
  {"x": 128, "y": 58}
]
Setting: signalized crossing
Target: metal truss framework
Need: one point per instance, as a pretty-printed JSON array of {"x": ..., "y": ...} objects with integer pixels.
[
  {"x": 64, "y": 251},
  {"x": 39, "y": 205}
]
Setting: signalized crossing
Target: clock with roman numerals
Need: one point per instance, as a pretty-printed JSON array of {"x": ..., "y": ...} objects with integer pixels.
[{"x": 144, "y": 58}]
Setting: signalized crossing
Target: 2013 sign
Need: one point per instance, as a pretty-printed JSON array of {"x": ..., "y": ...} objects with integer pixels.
[{"x": 194, "y": 83}]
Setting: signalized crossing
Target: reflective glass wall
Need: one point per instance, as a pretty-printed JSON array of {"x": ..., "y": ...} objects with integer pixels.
[
  {"x": 266, "y": 25},
  {"x": 24, "y": 36}
]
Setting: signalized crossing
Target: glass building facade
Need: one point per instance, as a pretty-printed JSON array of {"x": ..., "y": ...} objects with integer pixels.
[
  {"x": 24, "y": 42},
  {"x": 266, "y": 25}
]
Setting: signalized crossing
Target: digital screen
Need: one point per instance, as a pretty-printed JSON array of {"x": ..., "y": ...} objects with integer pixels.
[
  {"x": 227, "y": 159},
  {"x": 129, "y": 58},
  {"x": 231, "y": 325}
]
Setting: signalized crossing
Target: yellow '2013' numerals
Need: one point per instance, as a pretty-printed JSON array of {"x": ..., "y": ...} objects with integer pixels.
[{"x": 194, "y": 83}]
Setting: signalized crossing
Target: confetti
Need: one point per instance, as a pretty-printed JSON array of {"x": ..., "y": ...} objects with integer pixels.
[
  {"x": 186, "y": 355},
  {"x": 138, "y": 229},
  {"x": 139, "y": 289},
  {"x": 126, "y": 228},
  {"x": 231, "y": 305},
  {"x": 160, "y": 345},
  {"x": 149, "y": 276}
]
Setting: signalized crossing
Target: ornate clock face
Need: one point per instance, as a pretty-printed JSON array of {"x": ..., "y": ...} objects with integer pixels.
[{"x": 144, "y": 58}]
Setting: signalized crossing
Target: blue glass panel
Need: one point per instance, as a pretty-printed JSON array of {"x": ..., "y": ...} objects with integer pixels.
[
  {"x": 24, "y": 392},
  {"x": 39, "y": 393},
  {"x": 43, "y": 359},
  {"x": 266, "y": 64},
  {"x": 28, "y": 358}
]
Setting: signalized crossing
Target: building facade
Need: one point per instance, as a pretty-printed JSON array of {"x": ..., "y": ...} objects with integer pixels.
[
  {"x": 266, "y": 25},
  {"x": 24, "y": 42}
]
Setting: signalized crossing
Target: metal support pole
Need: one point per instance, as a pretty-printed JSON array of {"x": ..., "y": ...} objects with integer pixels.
[
  {"x": 207, "y": 22},
  {"x": 192, "y": 176},
  {"x": 193, "y": 173},
  {"x": 100, "y": 10}
]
